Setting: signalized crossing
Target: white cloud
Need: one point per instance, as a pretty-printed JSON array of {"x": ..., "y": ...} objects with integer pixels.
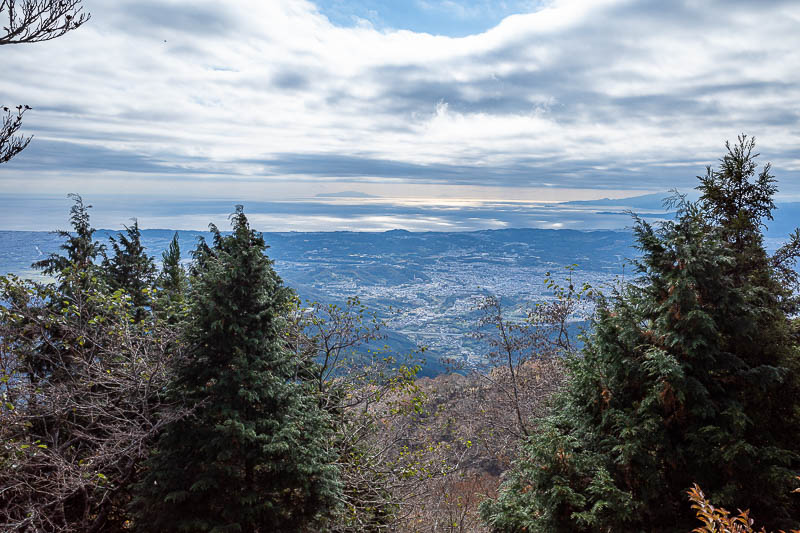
[{"x": 580, "y": 93}]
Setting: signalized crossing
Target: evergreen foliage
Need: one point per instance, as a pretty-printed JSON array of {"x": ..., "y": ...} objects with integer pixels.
[
  {"x": 78, "y": 278},
  {"x": 737, "y": 200},
  {"x": 172, "y": 278},
  {"x": 130, "y": 268},
  {"x": 80, "y": 248},
  {"x": 172, "y": 283},
  {"x": 690, "y": 376},
  {"x": 254, "y": 456}
]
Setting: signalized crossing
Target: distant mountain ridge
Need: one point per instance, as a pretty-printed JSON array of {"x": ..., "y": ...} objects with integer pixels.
[{"x": 653, "y": 201}]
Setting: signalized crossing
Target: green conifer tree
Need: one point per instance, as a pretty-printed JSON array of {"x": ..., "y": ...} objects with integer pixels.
[
  {"x": 80, "y": 248},
  {"x": 77, "y": 279},
  {"x": 254, "y": 457},
  {"x": 172, "y": 278},
  {"x": 130, "y": 268},
  {"x": 172, "y": 283},
  {"x": 689, "y": 376},
  {"x": 739, "y": 202}
]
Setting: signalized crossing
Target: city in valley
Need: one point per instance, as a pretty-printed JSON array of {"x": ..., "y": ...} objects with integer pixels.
[{"x": 425, "y": 286}]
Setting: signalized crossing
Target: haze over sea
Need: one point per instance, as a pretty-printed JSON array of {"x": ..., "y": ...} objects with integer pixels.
[{"x": 342, "y": 212}]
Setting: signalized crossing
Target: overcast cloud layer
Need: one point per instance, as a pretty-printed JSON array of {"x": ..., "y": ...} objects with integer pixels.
[{"x": 271, "y": 99}]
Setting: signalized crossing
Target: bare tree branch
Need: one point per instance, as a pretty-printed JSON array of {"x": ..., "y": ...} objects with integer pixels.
[
  {"x": 31, "y": 21},
  {"x": 10, "y": 143},
  {"x": 82, "y": 396}
]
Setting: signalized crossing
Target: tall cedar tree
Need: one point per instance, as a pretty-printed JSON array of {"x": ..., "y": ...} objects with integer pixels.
[
  {"x": 172, "y": 278},
  {"x": 80, "y": 248},
  {"x": 253, "y": 458},
  {"x": 77, "y": 278},
  {"x": 130, "y": 268},
  {"x": 689, "y": 376},
  {"x": 172, "y": 283}
]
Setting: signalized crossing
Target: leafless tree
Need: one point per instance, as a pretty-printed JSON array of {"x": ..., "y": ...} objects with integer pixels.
[
  {"x": 509, "y": 344},
  {"x": 520, "y": 349},
  {"x": 418, "y": 455},
  {"x": 83, "y": 388},
  {"x": 31, "y": 21},
  {"x": 477, "y": 421},
  {"x": 472, "y": 420},
  {"x": 390, "y": 464},
  {"x": 10, "y": 143},
  {"x": 386, "y": 461},
  {"x": 331, "y": 341}
]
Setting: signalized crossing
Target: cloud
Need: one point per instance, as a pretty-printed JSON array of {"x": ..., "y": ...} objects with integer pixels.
[
  {"x": 166, "y": 18},
  {"x": 586, "y": 95},
  {"x": 291, "y": 80},
  {"x": 525, "y": 172},
  {"x": 32, "y": 213},
  {"x": 45, "y": 155}
]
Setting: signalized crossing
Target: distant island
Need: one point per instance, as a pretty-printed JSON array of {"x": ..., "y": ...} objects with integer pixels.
[{"x": 653, "y": 201}]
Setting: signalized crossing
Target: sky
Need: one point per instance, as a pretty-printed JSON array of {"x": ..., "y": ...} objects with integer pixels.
[{"x": 445, "y": 103}]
